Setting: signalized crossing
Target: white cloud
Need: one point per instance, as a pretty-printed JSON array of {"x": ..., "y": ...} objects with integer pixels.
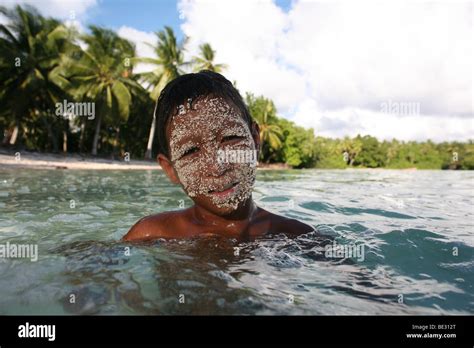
[
  {"x": 3, "y": 19},
  {"x": 140, "y": 39},
  {"x": 322, "y": 60},
  {"x": 72, "y": 12},
  {"x": 244, "y": 35},
  {"x": 350, "y": 121},
  {"x": 63, "y": 9}
]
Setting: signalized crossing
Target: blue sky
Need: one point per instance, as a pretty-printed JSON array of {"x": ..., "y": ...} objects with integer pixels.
[{"x": 144, "y": 15}]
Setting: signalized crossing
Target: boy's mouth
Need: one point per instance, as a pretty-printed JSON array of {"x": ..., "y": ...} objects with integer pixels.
[{"x": 225, "y": 190}]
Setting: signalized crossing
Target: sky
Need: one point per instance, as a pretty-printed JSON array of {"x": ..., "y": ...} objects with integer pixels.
[{"x": 387, "y": 68}]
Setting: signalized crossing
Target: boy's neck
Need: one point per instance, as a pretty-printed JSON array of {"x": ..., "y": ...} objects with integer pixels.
[{"x": 241, "y": 216}]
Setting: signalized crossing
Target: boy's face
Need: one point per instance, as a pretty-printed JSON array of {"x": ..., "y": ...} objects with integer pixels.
[{"x": 212, "y": 154}]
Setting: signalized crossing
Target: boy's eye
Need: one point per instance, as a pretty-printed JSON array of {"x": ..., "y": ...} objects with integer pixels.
[
  {"x": 232, "y": 138},
  {"x": 190, "y": 151}
]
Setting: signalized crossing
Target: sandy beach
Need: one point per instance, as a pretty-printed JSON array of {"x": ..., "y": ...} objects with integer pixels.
[
  {"x": 71, "y": 161},
  {"x": 36, "y": 160}
]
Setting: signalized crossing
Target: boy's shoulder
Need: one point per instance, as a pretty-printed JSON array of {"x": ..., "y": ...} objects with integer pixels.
[
  {"x": 175, "y": 224},
  {"x": 161, "y": 225},
  {"x": 288, "y": 226}
]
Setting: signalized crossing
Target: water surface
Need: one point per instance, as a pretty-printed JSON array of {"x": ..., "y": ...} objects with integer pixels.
[{"x": 416, "y": 229}]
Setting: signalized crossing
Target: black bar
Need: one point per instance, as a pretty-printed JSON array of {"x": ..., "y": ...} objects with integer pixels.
[{"x": 136, "y": 330}]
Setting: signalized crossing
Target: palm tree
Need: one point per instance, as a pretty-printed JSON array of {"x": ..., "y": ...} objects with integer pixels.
[
  {"x": 264, "y": 112},
  {"x": 169, "y": 64},
  {"x": 206, "y": 60},
  {"x": 350, "y": 148},
  {"x": 102, "y": 75},
  {"x": 392, "y": 150},
  {"x": 31, "y": 49},
  {"x": 270, "y": 133}
]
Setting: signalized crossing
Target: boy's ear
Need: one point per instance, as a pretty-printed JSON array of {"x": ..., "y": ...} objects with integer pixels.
[
  {"x": 167, "y": 167},
  {"x": 256, "y": 137}
]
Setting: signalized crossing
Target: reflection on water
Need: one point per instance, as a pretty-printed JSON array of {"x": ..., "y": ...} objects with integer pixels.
[{"x": 415, "y": 228}]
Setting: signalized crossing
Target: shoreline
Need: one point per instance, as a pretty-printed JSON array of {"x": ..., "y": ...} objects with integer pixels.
[{"x": 35, "y": 160}]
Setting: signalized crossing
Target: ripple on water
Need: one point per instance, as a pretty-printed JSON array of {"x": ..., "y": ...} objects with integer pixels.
[
  {"x": 417, "y": 239},
  {"x": 70, "y": 217}
]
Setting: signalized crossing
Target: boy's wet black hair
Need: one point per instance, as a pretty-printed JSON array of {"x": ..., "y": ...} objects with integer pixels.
[{"x": 190, "y": 87}]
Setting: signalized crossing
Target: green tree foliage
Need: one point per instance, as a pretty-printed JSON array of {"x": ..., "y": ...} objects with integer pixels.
[
  {"x": 101, "y": 74},
  {"x": 350, "y": 149},
  {"x": 205, "y": 60},
  {"x": 299, "y": 145},
  {"x": 169, "y": 64},
  {"x": 32, "y": 48},
  {"x": 371, "y": 154},
  {"x": 264, "y": 113}
]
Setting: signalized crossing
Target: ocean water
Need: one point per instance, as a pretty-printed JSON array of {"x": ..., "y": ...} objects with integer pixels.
[{"x": 407, "y": 239}]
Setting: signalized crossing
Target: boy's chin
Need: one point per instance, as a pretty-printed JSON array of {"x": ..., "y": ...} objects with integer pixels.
[{"x": 220, "y": 210}]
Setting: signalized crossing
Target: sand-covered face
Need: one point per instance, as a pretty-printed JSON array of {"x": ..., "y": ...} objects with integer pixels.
[{"x": 199, "y": 136}]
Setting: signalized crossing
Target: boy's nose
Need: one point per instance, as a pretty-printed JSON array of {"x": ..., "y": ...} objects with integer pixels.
[{"x": 216, "y": 166}]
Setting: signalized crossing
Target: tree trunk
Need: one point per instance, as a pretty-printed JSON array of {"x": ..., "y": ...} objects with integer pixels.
[
  {"x": 81, "y": 138},
  {"x": 14, "y": 136},
  {"x": 96, "y": 135},
  {"x": 116, "y": 142},
  {"x": 65, "y": 131},
  {"x": 151, "y": 136},
  {"x": 53, "y": 139},
  {"x": 51, "y": 136},
  {"x": 64, "y": 142}
]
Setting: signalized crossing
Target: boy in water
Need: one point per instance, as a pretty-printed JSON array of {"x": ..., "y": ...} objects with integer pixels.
[{"x": 201, "y": 119}]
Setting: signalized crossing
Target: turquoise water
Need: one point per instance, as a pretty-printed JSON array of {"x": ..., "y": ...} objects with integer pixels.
[{"x": 416, "y": 229}]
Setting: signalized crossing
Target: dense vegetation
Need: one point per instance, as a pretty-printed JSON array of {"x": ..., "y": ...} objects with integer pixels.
[{"x": 43, "y": 63}]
